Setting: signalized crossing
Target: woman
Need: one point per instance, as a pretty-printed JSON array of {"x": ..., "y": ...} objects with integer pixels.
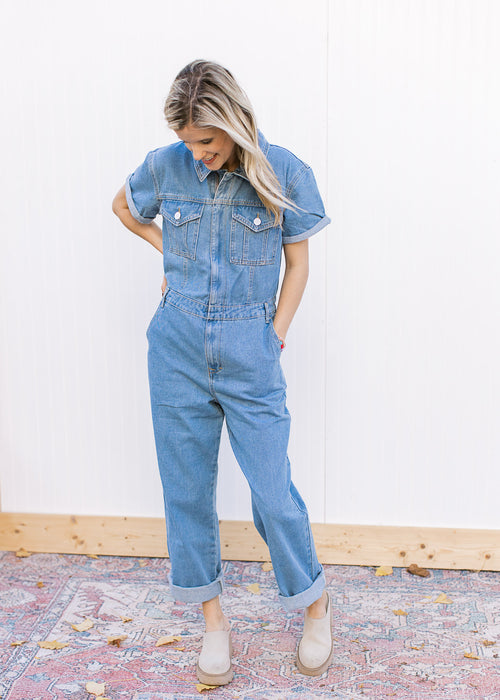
[{"x": 230, "y": 202}]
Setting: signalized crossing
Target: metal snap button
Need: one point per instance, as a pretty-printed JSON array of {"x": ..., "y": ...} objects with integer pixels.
[
  {"x": 177, "y": 214},
  {"x": 257, "y": 221}
]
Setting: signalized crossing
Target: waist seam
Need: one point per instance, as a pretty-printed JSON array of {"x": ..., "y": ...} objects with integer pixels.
[{"x": 222, "y": 312}]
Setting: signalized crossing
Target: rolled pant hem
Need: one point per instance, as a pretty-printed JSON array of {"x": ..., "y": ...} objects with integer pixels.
[
  {"x": 197, "y": 594},
  {"x": 305, "y": 598}
]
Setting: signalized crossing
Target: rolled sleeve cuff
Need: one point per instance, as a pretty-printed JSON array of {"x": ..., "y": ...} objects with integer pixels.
[
  {"x": 307, "y": 234},
  {"x": 131, "y": 205}
]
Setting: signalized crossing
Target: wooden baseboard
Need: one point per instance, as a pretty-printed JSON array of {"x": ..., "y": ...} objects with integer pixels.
[{"x": 364, "y": 545}]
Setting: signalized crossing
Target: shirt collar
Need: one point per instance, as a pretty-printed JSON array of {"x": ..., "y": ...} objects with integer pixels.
[{"x": 203, "y": 172}]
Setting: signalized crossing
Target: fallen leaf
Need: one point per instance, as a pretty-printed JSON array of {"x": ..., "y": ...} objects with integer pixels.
[
  {"x": 254, "y": 588},
  {"x": 117, "y": 639},
  {"x": 383, "y": 571},
  {"x": 471, "y": 656},
  {"x": 399, "y": 612},
  {"x": 143, "y": 562},
  {"x": 267, "y": 566},
  {"x": 93, "y": 556},
  {"x": 179, "y": 648},
  {"x": 83, "y": 626},
  {"x": 418, "y": 570},
  {"x": 95, "y": 688},
  {"x": 22, "y": 553},
  {"x": 200, "y": 687},
  {"x": 18, "y": 644},
  {"x": 487, "y": 643},
  {"x": 40, "y": 584},
  {"x": 418, "y": 648},
  {"x": 125, "y": 619},
  {"x": 167, "y": 640},
  {"x": 53, "y": 644},
  {"x": 443, "y": 598}
]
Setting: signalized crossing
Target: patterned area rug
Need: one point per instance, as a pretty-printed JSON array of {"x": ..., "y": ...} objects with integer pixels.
[{"x": 394, "y": 638}]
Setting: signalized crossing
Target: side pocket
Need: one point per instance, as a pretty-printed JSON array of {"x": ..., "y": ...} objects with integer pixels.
[
  {"x": 275, "y": 338},
  {"x": 157, "y": 313}
]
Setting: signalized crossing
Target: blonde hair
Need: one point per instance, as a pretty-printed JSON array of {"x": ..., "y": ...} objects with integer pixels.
[{"x": 206, "y": 95}]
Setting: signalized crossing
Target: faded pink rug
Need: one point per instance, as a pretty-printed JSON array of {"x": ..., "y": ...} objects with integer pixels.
[{"x": 425, "y": 650}]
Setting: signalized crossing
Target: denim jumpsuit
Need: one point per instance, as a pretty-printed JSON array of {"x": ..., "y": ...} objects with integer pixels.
[{"x": 214, "y": 355}]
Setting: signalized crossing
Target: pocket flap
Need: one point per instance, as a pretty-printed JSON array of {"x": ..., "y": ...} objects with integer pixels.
[
  {"x": 256, "y": 220},
  {"x": 179, "y": 213}
]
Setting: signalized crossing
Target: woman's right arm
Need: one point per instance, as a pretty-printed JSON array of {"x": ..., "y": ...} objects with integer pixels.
[{"x": 150, "y": 232}]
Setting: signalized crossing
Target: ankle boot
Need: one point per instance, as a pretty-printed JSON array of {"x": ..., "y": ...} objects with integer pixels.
[
  {"x": 214, "y": 664},
  {"x": 316, "y": 646}
]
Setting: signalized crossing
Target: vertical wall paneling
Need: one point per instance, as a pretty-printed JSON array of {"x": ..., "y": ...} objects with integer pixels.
[
  {"x": 80, "y": 111},
  {"x": 413, "y": 300},
  {"x": 393, "y": 376}
]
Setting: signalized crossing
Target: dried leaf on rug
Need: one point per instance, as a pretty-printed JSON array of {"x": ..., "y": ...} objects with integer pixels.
[
  {"x": 167, "y": 640},
  {"x": 254, "y": 588},
  {"x": 417, "y": 570},
  {"x": 117, "y": 639},
  {"x": 83, "y": 626},
  {"x": 443, "y": 598},
  {"x": 97, "y": 689},
  {"x": 52, "y": 644}
]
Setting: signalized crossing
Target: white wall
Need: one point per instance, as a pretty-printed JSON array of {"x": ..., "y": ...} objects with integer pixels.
[
  {"x": 413, "y": 286},
  {"x": 391, "y": 361}
]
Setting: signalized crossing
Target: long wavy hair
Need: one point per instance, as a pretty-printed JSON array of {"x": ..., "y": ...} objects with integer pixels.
[{"x": 205, "y": 94}]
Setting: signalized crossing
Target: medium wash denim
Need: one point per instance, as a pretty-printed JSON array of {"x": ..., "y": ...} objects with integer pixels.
[{"x": 214, "y": 355}]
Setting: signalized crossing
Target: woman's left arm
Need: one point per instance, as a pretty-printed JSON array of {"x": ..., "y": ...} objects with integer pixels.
[{"x": 293, "y": 285}]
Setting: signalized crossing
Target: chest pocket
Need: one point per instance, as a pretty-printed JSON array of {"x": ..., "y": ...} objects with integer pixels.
[
  {"x": 182, "y": 225},
  {"x": 255, "y": 237}
]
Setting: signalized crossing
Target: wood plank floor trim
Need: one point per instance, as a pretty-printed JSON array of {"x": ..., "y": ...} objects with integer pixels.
[{"x": 365, "y": 545}]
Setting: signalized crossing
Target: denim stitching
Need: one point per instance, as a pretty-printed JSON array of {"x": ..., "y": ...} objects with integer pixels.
[
  {"x": 215, "y": 522},
  {"x": 308, "y": 533},
  {"x": 152, "y": 173},
  {"x": 235, "y": 318},
  {"x": 177, "y": 196},
  {"x": 299, "y": 175},
  {"x": 243, "y": 259}
]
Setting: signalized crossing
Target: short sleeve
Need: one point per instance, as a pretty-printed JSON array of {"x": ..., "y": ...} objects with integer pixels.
[
  {"x": 142, "y": 192},
  {"x": 310, "y": 218}
]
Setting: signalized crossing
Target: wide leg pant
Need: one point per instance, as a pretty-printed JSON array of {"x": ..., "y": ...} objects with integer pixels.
[{"x": 207, "y": 363}]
